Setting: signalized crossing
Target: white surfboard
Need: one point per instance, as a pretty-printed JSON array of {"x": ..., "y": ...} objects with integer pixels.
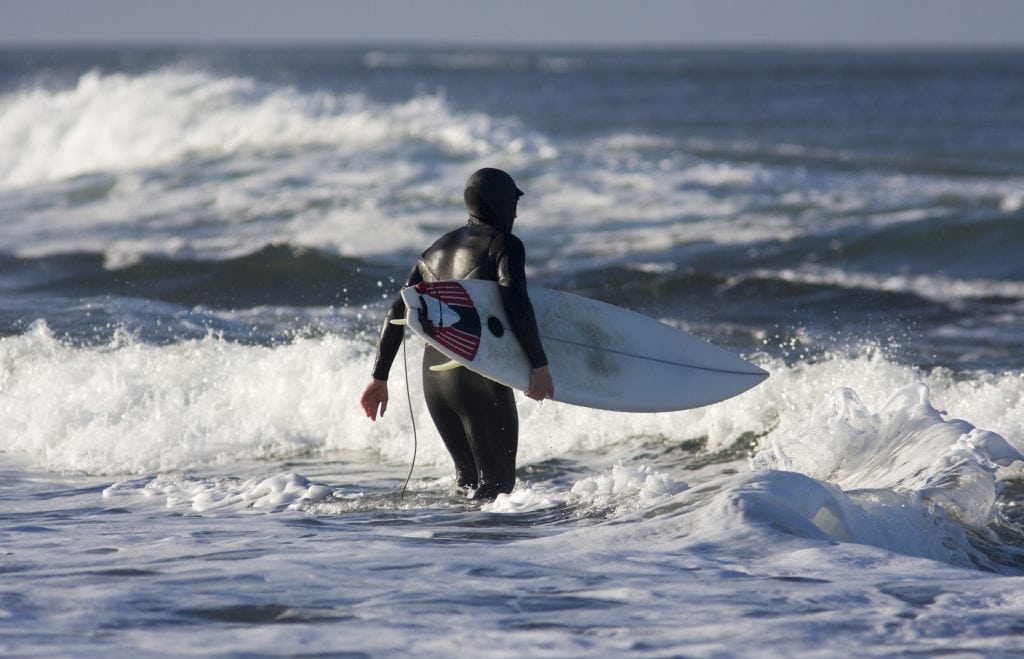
[{"x": 599, "y": 355}]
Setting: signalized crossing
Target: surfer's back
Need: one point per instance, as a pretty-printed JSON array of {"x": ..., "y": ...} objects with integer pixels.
[{"x": 473, "y": 251}]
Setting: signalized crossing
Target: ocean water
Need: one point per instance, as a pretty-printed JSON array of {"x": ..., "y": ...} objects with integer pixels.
[{"x": 198, "y": 246}]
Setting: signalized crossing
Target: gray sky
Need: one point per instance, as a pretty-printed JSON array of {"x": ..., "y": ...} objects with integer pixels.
[{"x": 517, "y": 22}]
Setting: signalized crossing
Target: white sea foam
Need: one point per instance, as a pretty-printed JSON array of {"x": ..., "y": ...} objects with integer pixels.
[
  {"x": 1012, "y": 202},
  {"x": 775, "y": 507},
  {"x": 252, "y": 493},
  {"x": 775, "y": 541},
  {"x": 622, "y": 488},
  {"x": 119, "y": 122},
  {"x": 613, "y": 492},
  {"x": 184, "y": 163},
  {"x": 135, "y": 408},
  {"x": 905, "y": 480},
  {"x": 935, "y": 287},
  {"x": 282, "y": 491},
  {"x": 188, "y": 164}
]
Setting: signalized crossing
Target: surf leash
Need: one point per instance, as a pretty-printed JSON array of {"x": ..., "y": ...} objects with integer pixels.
[{"x": 412, "y": 418}]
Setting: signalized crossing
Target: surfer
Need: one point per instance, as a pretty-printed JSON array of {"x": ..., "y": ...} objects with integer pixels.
[{"x": 475, "y": 416}]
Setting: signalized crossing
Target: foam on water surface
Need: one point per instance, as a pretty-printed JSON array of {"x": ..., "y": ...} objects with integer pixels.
[
  {"x": 869, "y": 469},
  {"x": 117, "y": 122},
  {"x": 178, "y": 161},
  {"x": 132, "y": 407},
  {"x": 188, "y": 468}
]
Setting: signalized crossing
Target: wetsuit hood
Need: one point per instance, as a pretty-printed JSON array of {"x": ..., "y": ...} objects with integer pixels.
[{"x": 491, "y": 197}]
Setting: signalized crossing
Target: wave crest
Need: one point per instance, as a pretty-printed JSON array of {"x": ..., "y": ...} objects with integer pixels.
[{"x": 116, "y": 122}]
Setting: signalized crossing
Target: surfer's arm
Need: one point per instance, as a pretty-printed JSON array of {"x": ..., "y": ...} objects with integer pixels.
[
  {"x": 541, "y": 385},
  {"x": 391, "y": 335},
  {"x": 512, "y": 278},
  {"x": 375, "y": 398}
]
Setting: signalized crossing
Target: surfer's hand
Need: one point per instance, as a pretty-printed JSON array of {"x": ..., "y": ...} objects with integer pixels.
[
  {"x": 541, "y": 384},
  {"x": 375, "y": 395}
]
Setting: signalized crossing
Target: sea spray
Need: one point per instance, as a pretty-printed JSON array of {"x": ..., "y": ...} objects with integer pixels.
[
  {"x": 911, "y": 480},
  {"x": 117, "y": 122},
  {"x": 192, "y": 240}
]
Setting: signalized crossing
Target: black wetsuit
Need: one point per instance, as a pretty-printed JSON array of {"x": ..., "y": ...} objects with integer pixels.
[{"x": 475, "y": 416}]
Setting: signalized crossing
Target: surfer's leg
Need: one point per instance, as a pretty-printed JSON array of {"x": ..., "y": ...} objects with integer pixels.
[
  {"x": 491, "y": 423},
  {"x": 494, "y": 440},
  {"x": 438, "y": 390},
  {"x": 478, "y": 422}
]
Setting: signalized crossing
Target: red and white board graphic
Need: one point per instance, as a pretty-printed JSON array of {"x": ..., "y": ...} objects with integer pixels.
[{"x": 446, "y": 313}]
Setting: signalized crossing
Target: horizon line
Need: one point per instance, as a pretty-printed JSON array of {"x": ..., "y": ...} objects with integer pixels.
[{"x": 154, "y": 44}]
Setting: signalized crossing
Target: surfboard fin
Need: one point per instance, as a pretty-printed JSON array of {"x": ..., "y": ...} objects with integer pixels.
[
  {"x": 447, "y": 366},
  {"x": 400, "y": 321}
]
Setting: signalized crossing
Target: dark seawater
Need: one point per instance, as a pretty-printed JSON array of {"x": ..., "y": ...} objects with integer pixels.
[{"x": 198, "y": 246}]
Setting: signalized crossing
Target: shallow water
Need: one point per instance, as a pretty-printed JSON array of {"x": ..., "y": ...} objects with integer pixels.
[{"x": 198, "y": 247}]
